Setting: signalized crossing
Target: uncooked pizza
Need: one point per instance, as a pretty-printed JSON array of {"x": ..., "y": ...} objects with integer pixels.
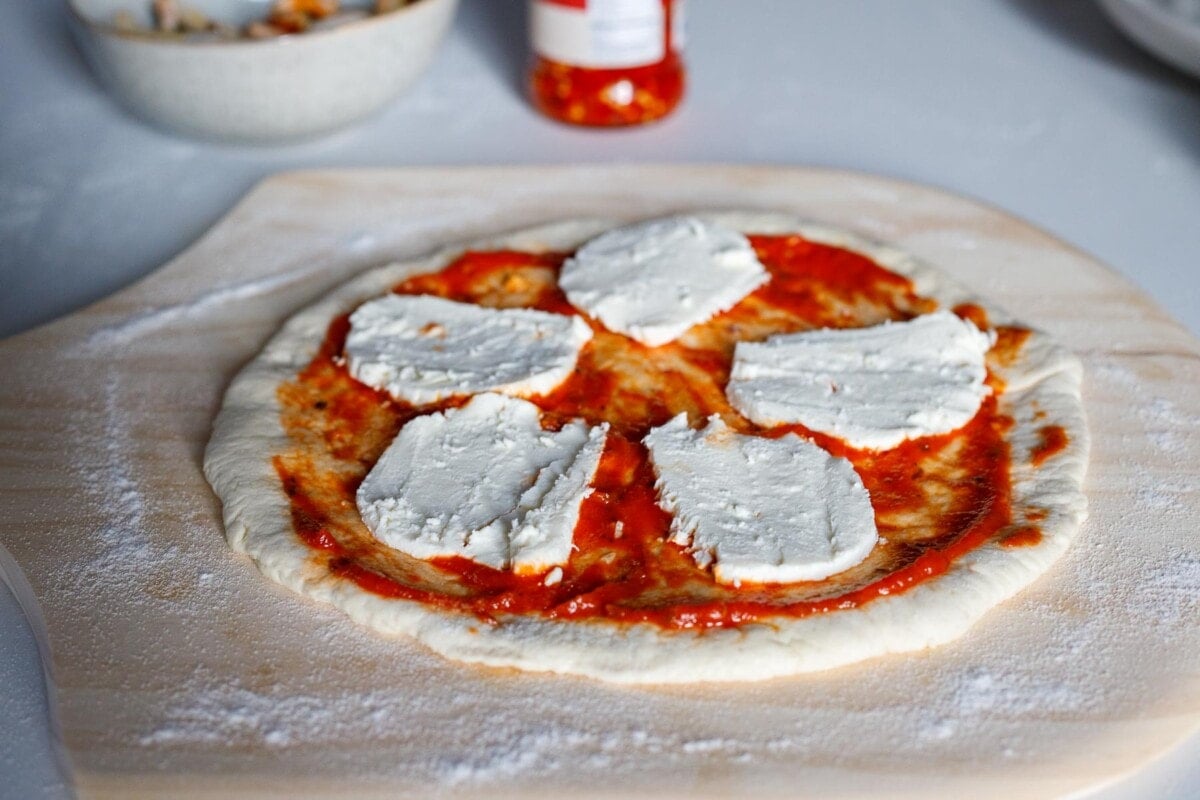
[{"x": 697, "y": 448}]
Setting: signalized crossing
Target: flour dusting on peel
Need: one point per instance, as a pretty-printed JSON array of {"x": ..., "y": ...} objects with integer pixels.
[
  {"x": 1171, "y": 430},
  {"x": 106, "y": 474},
  {"x": 156, "y": 319}
]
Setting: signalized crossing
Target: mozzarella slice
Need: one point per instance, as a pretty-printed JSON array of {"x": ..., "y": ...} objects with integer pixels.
[
  {"x": 422, "y": 349},
  {"x": 484, "y": 482},
  {"x": 758, "y": 509},
  {"x": 654, "y": 280},
  {"x": 871, "y": 387}
]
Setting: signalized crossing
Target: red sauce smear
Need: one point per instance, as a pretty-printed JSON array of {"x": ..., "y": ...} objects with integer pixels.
[
  {"x": 1022, "y": 537},
  {"x": 623, "y": 568},
  {"x": 1052, "y": 441},
  {"x": 975, "y": 314},
  {"x": 804, "y": 274}
]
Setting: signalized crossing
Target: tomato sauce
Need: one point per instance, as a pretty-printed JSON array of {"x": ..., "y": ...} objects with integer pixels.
[
  {"x": 805, "y": 274},
  {"x": 1023, "y": 537},
  {"x": 1052, "y": 441},
  {"x": 935, "y": 498}
]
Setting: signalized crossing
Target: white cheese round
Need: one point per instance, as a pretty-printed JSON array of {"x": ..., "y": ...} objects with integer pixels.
[
  {"x": 654, "y": 280},
  {"x": 871, "y": 387},
  {"x": 484, "y": 482},
  {"x": 422, "y": 349},
  {"x": 757, "y": 509}
]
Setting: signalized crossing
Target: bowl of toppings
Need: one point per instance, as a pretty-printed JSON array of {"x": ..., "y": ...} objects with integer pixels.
[{"x": 258, "y": 70}]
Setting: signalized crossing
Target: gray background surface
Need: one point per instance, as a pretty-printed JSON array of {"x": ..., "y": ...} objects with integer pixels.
[{"x": 1036, "y": 106}]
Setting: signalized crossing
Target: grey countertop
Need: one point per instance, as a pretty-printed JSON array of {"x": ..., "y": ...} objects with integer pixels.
[{"x": 1037, "y": 106}]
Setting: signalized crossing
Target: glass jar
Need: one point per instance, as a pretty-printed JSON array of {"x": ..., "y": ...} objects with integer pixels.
[{"x": 606, "y": 62}]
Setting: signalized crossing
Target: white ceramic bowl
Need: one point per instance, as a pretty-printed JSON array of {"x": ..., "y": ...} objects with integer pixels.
[
  {"x": 1168, "y": 28},
  {"x": 262, "y": 91}
]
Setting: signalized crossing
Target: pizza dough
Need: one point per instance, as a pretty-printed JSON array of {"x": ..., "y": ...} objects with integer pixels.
[{"x": 1043, "y": 384}]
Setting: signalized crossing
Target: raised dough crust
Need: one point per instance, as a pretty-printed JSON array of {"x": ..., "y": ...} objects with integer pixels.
[{"x": 247, "y": 432}]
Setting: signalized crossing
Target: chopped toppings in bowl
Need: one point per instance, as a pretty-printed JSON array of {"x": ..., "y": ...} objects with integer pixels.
[{"x": 173, "y": 19}]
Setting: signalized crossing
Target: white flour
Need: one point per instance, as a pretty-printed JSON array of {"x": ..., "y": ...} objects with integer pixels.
[
  {"x": 1172, "y": 591},
  {"x": 155, "y": 319},
  {"x": 109, "y": 488}
]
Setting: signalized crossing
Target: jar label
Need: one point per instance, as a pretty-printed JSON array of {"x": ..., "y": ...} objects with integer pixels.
[{"x": 599, "y": 34}]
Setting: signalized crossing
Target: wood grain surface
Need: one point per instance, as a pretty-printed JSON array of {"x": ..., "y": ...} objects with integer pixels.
[{"x": 182, "y": 672}]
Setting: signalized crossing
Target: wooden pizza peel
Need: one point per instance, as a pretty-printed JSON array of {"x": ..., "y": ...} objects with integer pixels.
[{"x": 182, "y": 672}]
